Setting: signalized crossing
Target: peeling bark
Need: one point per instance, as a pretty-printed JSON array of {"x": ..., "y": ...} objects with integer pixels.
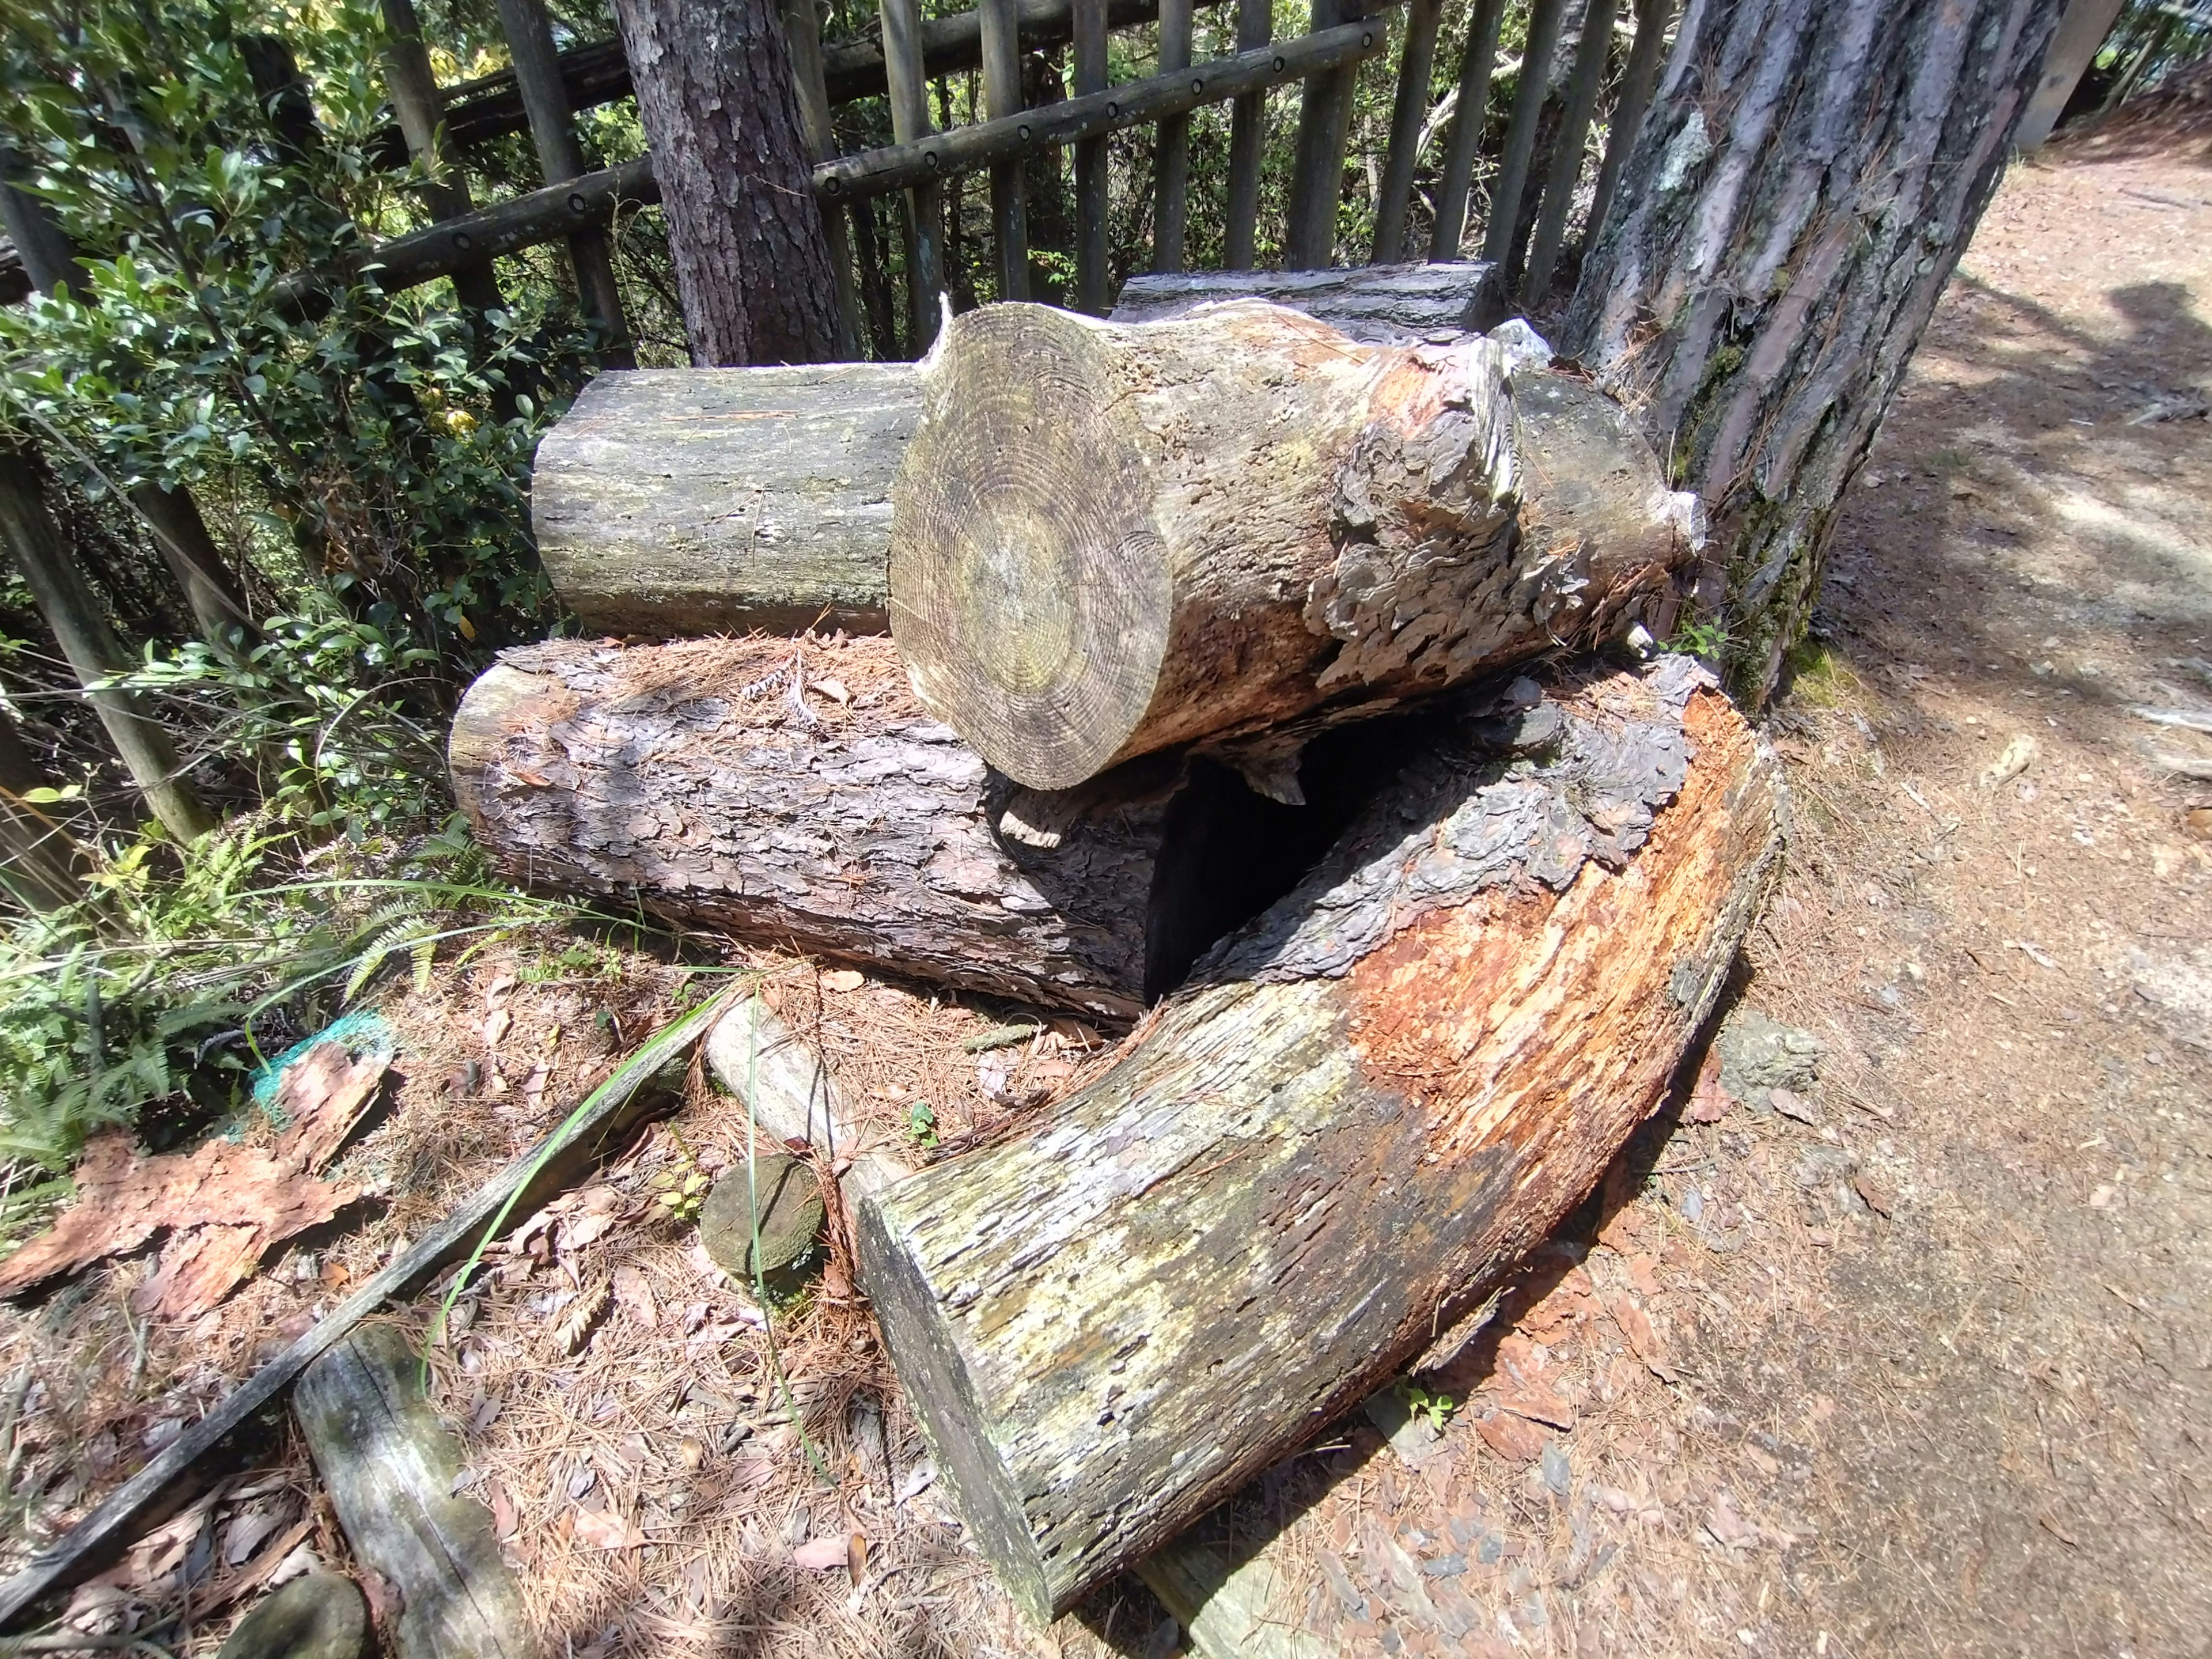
[
  {"x": 1368, "y": 1104},
  {"x": 1803, "y": 185}
]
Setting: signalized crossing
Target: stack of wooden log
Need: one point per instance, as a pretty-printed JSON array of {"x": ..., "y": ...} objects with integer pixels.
[{"x": 1282, "y": 687}]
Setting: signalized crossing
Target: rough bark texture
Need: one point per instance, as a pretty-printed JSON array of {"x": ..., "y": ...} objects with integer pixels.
[
  {"x": 1373, "y": 1101},
  {"x": 863, "y": 829},
  {"x": 1107, "y": 539},
  {"x": 671, "y": 500},
  {"x": 1804, "y": 184},
  {"x": 681, "y": 502},
  {"x": 715, "y": 95},
  {"x": 1381, "y": 305},
  {"x": 390, "y": 1467}
]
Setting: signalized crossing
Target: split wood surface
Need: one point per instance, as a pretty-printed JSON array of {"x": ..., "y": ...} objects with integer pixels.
[
  {"x": 1371, "y": 1100},
  {"x": 390, "y": 1466},
  {"x": 1111, "y": 539},
  {"x": 670, "y": 503}
]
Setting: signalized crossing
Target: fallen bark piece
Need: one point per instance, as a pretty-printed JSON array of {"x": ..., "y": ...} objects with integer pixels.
[
  {"x": 223, "y": 1204},
  {"x": 1111, "y": 539},
  {"x": 389, "y": 1466},
  {"x": 712, "y": 781},
  {"x": 1370, "y": 1104},
  {"x": 673, "y": 502}
]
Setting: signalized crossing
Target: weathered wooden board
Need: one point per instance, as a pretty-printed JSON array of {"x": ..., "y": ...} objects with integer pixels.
[
  {"x": 389, "y": 1466},
  {"x": 1370, "y": 1102}
]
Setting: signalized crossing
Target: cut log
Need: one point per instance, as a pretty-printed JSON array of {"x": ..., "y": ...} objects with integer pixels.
[
  {"x": 390, "y": 1467},
  {"x": 695, "y": 779},
  {"x": 1373, "y": 1101},
  {"x": 1109, "y": 539},
  {"x": 698, "y": 501},
  {"x": 681, "y": 501}
]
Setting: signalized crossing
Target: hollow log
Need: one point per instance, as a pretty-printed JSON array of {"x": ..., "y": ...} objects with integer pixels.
[
  {"x": 679, "y": 501},
  {"x": 695, "y": 779},
  {"x": 1367, "y": 1104},
  {"x": 1111, "y": 539}
]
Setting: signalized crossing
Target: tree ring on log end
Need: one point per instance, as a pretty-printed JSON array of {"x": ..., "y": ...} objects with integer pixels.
[{"x": 1029, "y": 583}]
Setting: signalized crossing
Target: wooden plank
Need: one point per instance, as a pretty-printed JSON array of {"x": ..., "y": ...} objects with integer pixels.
[
  {"x": 1247, "y": 132},
  {"x": 802, "y": 29},
  {"x": 1317, "y": 163},
  {"x": 560, "y": 158},
  {"x": 390, "y": 1465},
  {"x": 1652, "y": 17},
  {"x": 876, "y": 172},
  {"x": 1498, "y": 234},
  {"x": 1171, "y": 162},
  {"x": 1464, "y": 141},
  {"x": 1576, "y": 109},
  {"x": 925, "y": 201},
  {"x": 1091, "y": 159},
  {"x": 1408, "y": 113},
  {"x": 526, "y": 1182},
  {"x": 1002, "y": 101}
]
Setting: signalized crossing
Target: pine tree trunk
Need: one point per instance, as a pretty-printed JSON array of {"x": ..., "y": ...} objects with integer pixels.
[
  {"x": 715, "y": 95},
  {"x": 1803, "y": 185}
]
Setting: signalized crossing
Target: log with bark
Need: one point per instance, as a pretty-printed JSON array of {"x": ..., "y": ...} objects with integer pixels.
[
  {"x": 1111, "y": 539},
  {"x": 1369, "y": 1102},
  {"x": 793, "y": 794},
  {"x": 670, "y": 503}
]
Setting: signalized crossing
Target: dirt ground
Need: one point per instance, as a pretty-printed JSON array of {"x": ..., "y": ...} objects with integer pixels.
[{"x": 1922, "y": 1362}]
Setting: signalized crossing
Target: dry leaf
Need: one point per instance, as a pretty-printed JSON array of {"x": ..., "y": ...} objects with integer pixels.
[
  {"x": 1879, "y": 1198},
  {"x": 821, "y": 1554},
  {"x": 833, "y": 690},
  {"x": 501, "y": 989},
  {"x": 856, "y": 1559},
  {"x": 244, "y": 1533},
  {"x": 1726, "y": 1526},
  {"x": 582, "y": 1316},
  {"x": 843, "y": 978},
  {"x": 1709, "y": 1101},
  {"x": 496, "y": 1026},
  {"x": 577, "y": 1231},
  {"x": 634, "y": 1291},
  {"x": 606, "y": 1531},
  {"x": 1636, "y": 1325},
  {"x": 505, "y": 1521}
]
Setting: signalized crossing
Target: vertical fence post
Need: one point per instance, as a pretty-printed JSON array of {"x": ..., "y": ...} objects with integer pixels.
[
  {"x": 1002, "y": 96},
  {"x": 1171, "y": 164},
  {"x": 1637, "y": 80},
  {"x": 1090, "y": 202},
  {"x": 909, "y": 101},
  {"x": 416, "y": 102},
  {"x": 1579, "y": 105},
  {"x": 1247, "y": 132},
  {"x": 1317, "y": 166},
  {"x": 1470, "y": 116},
  {"x": 1406, "y": 113},
  {"x": 802, "y": 27},
  {"x": 552, "y": 129},
  {"x": 1521, "y": 135}
]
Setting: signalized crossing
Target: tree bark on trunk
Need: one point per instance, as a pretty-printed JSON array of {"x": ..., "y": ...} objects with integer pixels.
[
  {"x": 1107, "y": 540},
  {"x": 1803, "y": 185},
  {"x": 677, "y": 501},
  {"x": 720, "y": 112},
  {"x": 1368, "y": 1103},
  {"x": 840, "y": 820}
]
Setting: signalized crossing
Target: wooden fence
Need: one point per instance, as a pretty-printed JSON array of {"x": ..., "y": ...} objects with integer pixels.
[{"x": 1547, "y": 129}]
